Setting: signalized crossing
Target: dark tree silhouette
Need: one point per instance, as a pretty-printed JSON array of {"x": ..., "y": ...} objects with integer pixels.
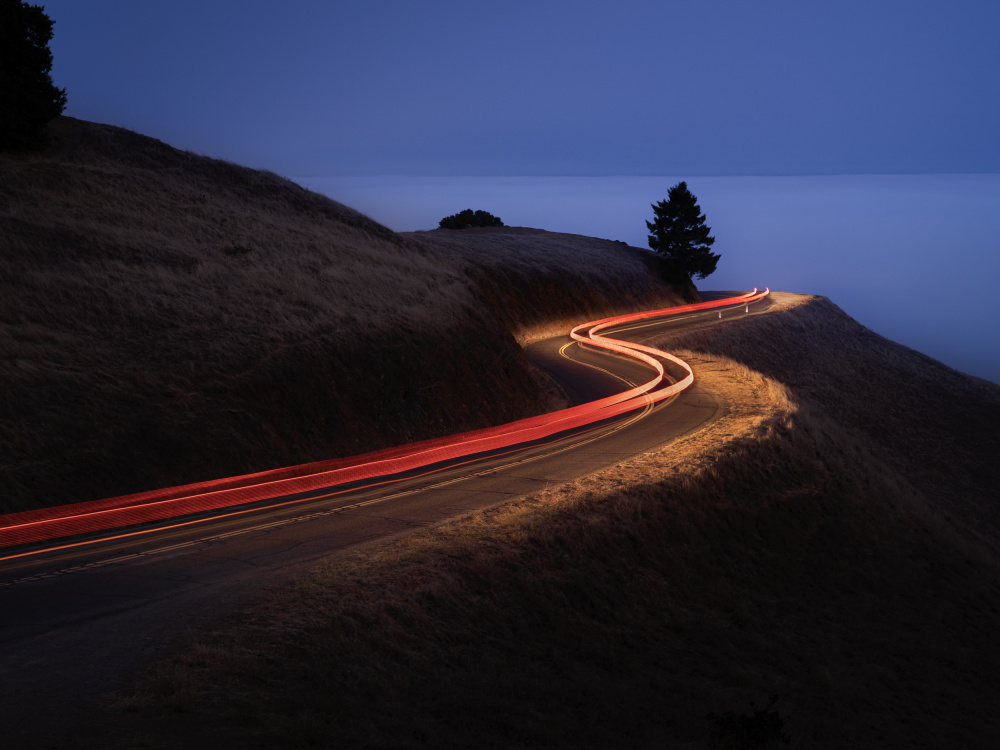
[
  {"x": 678, "y": 232},
  {"x": 28, "y": 98},
  {"x": 468, "y": 218}
]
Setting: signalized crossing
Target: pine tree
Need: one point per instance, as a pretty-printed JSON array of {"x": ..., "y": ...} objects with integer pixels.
[
  {"x": 679, "y": 233},
  {"x": 28, "y": 98}
]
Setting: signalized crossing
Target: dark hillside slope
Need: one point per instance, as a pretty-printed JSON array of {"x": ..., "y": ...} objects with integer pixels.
[
  {"x": 808, "y": 544},
  {"x": 936, "y": 429},
  {"x": 166, "y": 318}
]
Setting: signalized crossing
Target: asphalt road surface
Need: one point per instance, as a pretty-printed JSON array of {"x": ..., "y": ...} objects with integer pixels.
[{"x": 76, "y": 621}]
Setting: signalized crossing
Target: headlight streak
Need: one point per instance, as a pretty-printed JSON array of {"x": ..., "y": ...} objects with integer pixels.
[{"x": 157, "y": 505}]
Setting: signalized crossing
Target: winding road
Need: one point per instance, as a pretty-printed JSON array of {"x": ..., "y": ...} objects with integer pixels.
[{"x": 78, "y": 616}]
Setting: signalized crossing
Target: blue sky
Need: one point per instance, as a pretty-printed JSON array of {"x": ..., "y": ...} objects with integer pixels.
[{"x": 545, "y": 87}]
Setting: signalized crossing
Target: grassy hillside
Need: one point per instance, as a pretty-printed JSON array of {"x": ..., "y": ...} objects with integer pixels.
[
  {"x": 832, "y": 541},
  {"x": 933, "y": 428},
  {"x": 167, "y": 318},
  {"x": 544, "y": 283}
]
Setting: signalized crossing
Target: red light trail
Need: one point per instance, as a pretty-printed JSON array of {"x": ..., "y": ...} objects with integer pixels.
[{"x": 171, "y": 502}]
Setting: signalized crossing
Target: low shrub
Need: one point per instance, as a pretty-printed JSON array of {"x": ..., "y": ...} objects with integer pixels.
[{"x": 470, "y": 218}]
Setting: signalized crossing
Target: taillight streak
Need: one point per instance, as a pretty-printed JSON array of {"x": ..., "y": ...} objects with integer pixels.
[{"x": 156, "y": 505}]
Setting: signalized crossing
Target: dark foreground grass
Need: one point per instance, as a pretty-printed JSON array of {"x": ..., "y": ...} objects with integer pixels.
[{"x": 787, "y": 550}]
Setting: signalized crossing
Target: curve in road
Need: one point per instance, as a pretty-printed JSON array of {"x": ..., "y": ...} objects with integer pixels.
[
  {"x": 77, "y": 618},
  {"x": 173, "y": 502}
]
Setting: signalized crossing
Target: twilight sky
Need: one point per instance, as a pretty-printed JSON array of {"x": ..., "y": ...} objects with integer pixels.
[{"x": 545, "y": 87}]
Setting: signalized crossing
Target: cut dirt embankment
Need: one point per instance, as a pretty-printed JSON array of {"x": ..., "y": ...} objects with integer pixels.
[
  {"x": 167, "y": 318},
  {"x": 807, "y": 544}
]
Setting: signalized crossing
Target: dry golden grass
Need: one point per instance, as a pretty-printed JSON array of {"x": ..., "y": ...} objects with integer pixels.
[
  {"x": 544, "y": 283},
  {"x": 167, "y": 318},
  {"x": 935, "y": 427},
  {"x": 794, "y": 547}
]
